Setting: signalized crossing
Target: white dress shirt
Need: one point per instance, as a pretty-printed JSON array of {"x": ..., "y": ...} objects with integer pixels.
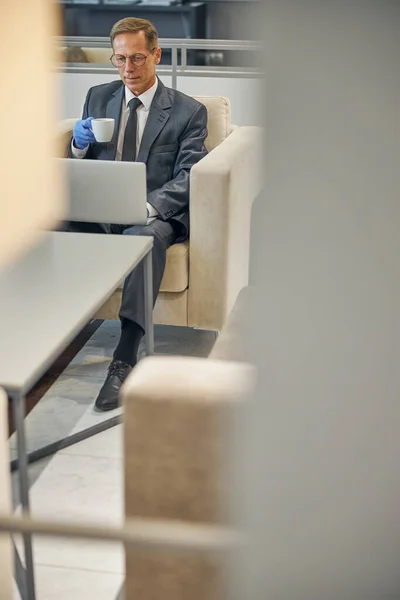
[{"x": 142, "y": 113}]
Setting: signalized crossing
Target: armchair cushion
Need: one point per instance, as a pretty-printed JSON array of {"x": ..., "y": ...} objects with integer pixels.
[{"x": 176, "y": 274}]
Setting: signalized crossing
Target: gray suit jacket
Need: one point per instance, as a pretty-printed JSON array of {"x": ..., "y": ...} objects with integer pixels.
[{"x": 172, "y": 142}]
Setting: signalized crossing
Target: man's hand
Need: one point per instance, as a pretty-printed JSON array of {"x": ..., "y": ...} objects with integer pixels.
[{"x": 83, "y": 135}]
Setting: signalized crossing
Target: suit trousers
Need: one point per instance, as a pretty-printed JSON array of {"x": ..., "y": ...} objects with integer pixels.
[{"x": 164, "y": 235}]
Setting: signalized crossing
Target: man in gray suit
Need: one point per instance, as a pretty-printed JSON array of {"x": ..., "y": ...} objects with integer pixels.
[{"x": 164, "y": 129}]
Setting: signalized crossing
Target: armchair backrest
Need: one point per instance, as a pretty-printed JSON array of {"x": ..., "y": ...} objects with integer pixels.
[{"x": 218, "y": 121}]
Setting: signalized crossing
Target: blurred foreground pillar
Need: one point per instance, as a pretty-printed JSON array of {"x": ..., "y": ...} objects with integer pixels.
[
  {"x": 30, "y": 190},
  {"x": 316, "y": 461}
]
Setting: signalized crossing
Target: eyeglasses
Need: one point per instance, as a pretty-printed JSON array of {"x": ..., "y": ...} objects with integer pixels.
[{"x": 137, "y": 59}]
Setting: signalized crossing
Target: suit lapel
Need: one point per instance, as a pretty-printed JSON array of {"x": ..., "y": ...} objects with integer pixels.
[
  {"x": 158, "y": 116},
  {"x": 114, "y": 112}
]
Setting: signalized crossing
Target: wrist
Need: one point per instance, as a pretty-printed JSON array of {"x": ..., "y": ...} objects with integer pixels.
[{"x": 75, "y": 143}]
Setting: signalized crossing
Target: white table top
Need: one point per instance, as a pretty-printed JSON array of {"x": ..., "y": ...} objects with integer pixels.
[{"x": 52, "y": 292}]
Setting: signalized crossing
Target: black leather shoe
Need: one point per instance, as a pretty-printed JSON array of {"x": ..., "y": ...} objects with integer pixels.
[{"x": 108, "y": 398}]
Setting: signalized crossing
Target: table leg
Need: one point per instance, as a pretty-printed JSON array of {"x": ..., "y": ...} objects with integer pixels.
[
  {"x": 148, "y": 303},
  {"x": 20, "y": 575},
  {"x": 18, "y": 403},
  {"x": 70, "y": 440}
]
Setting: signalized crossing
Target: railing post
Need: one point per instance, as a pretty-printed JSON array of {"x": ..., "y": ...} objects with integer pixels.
[
  {"x": 183, "y": 57},
  {"x": 174, "y": 65}
]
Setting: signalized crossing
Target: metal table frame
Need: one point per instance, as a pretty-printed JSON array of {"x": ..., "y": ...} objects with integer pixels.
[{"x": 25, "y": 575}]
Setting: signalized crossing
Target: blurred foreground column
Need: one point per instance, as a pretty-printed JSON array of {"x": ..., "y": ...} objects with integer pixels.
[
  {"x": 30, "y": 192},
  {"x": 317, "y": 459}
]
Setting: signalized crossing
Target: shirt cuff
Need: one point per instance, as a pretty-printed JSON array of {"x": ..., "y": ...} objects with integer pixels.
[
  {"x": 153, "y": 212},
  {"x": 78, "y": 152}
]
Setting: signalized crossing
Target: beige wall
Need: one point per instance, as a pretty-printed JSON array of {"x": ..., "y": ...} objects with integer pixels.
[{"x": 30, "y": 194}]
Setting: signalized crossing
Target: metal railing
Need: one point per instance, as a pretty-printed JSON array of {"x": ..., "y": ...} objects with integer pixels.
[{"x": 179, "y": 66}]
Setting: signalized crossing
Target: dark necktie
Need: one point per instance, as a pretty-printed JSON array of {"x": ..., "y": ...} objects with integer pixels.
[{"x": 129, "y": 146}]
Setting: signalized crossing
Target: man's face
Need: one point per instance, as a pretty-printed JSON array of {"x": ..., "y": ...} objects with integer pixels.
[{"x": 137, "y": 78}]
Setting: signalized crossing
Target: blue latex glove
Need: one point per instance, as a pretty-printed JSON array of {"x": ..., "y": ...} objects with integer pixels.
[{"x": 83, "y": 135}]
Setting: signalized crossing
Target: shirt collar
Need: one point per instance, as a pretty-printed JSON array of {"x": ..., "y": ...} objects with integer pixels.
[{"x": 146, "y": 98}]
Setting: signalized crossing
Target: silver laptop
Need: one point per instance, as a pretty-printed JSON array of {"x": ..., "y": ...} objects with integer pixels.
[{"x": 105, "y": 191}]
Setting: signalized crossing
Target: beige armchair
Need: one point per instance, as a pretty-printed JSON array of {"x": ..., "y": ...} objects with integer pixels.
[
  {"x": 203, "y": 276},
  {"x": 179, "y": 416}
]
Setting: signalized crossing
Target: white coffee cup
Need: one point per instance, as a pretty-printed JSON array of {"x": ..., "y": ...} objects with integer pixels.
[{"x": 103, "y": 129}]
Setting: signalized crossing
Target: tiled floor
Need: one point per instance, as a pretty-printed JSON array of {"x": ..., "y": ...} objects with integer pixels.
[
  {"x": 47, "y": 380},
  {"x": 85, "y": 481}
]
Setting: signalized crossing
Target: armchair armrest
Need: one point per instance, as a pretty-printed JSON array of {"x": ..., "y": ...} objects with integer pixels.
[
  {"x": 178, "y": 428},
  {"x": 223, "y": 186},
  {"x": 177, "y": 418}
]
